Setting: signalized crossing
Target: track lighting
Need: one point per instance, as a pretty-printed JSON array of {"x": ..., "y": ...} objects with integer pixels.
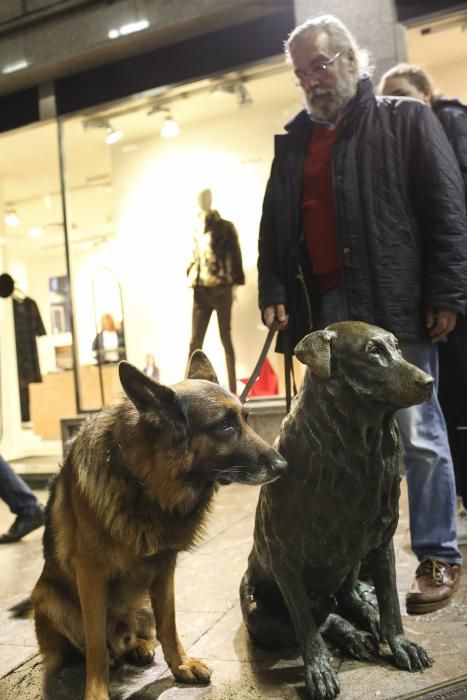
[{"x": 236, "y": 88}]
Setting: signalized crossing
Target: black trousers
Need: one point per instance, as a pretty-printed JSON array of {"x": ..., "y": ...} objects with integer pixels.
[
  {"x": 205, "y": 301},
  {"x": 453, "y": 399}
]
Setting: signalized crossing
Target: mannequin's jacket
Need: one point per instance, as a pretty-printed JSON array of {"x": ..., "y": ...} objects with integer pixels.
[
  {"x": 220, "y": 263},
  {"x": 400, "y": 219}
]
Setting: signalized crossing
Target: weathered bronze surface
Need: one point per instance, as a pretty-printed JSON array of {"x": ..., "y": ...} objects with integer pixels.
[{"x": 335, "y": 506}]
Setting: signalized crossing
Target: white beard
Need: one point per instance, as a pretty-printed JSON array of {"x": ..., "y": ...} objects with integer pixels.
[{"x": 326, "y": 104}]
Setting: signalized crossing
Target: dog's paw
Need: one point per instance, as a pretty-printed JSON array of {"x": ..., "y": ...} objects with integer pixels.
[
  {"x": 192, "y": 671},
  {"x": 408, "y": 655},
  {"x": 142, "y": 654},
  {"x": 321, "y": 680}
]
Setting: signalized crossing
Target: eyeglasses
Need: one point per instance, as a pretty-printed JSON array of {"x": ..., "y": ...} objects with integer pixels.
[{"x": 317, "y": 71}]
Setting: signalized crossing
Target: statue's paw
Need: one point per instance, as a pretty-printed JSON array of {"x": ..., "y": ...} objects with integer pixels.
[
  {"x": 192, "y": 671},
  {"x": 362, "y": 645},
  {"x": 370, "y": 623},
  {"x": 408, "y": 655},
  {"x": 321, "y": 680}
]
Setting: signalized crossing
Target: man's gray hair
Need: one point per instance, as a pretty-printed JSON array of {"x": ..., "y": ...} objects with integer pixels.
[{"x": 341, "y": 39}]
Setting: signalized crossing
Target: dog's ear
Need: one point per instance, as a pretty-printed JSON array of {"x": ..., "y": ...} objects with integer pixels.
[
  {"x": 199, "y": 367},
  {"x": 143, "y": 392},
  {"x": 314, "y": 351}
]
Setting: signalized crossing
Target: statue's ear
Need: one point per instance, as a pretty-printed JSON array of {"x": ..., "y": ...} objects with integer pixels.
[
  {"x": 314, "y": 351},
  {"x": 199, "y": 367}
]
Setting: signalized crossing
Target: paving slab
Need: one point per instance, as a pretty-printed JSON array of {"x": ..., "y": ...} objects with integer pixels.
[{"x": 211, "y": 627}]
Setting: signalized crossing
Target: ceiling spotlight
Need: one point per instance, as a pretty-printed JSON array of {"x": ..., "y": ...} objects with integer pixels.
[
  {"x": 11, "y": 218},
  {"x": 170, "y": 128},
  {"x": 36, "y": 232},
  {"x": 112, "y": 135},
  {"x": 129, "y": 28}
]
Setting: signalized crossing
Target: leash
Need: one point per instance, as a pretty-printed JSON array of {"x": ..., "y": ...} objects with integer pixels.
[{"x": 259, "y": 364}]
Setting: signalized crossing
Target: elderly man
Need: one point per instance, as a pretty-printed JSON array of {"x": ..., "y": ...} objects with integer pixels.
[{"x": 364, "y": 218}]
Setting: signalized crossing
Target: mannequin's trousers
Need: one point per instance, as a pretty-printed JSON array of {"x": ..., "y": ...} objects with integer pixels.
[{"x": 205, "y": 301}]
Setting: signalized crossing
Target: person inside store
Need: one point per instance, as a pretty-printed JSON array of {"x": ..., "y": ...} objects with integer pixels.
[
  {"x": 215, "y": 269},
  {"x": 109, "y": 343},
  {"x": 22, "y": 503},
  {"x": 408, "y": 80},
  {"x": 348, "y": 231},
  {"x": 150, "y": 368}
]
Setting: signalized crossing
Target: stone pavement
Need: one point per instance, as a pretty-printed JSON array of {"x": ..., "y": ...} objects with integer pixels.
[{"x": 210, "y": 625}]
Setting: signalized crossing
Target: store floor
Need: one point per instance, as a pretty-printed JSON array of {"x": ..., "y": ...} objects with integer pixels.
[{"x": 211, "y": 627}]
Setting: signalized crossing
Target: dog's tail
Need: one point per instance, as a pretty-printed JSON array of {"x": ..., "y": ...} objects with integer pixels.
[{"x": 22, "y": 610}]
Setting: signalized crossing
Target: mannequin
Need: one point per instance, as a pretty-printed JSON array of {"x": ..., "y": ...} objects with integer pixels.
[{"x": 214, "y": 270}]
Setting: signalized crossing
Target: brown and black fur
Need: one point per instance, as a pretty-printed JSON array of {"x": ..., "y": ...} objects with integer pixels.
[
  {"x": 336, "y": 505},
  {"x": 134, "y": 490}
]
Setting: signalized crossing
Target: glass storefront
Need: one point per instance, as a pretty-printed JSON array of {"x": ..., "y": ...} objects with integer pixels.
[
  {"x": 129, "y": 209},
  {"x": 32, "y": 256}
]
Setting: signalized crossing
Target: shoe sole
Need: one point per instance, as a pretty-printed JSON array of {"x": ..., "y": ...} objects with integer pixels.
[{"x": 422, "y": 608}]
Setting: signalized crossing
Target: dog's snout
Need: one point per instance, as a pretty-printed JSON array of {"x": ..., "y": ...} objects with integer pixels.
[
  {"x": 425, "y": 380},
  {"x": 278, "y": 465}
]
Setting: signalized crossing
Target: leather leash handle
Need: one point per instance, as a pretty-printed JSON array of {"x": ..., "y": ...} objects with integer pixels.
[{"x": 259, "y": 364}]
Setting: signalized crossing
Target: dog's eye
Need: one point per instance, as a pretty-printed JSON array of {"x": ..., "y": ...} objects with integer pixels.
[
  {"x": 375, "y": 350},
  {"x": 226, "y": 424}
]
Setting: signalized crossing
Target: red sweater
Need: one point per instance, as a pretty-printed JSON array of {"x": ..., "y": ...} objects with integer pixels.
[{"x": 318, "y": 216}]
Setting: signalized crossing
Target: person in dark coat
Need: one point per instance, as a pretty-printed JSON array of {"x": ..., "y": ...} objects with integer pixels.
[
  {"x": 364, "y": 219},
  {"x": 408, "y": 80}
]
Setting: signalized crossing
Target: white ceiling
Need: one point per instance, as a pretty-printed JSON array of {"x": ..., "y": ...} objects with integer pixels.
[{"x": 439, "y": 43}]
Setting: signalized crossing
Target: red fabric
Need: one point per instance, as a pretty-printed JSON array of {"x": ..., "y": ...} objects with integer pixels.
[
  {"x": 319, "y": 222},
  {"x": 267, "y": 383}
]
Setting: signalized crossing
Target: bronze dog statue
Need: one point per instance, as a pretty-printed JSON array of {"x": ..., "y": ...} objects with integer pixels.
[{"x": 336, "y": 505}]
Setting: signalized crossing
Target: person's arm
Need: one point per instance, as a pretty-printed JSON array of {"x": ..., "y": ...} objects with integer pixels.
[
  {"x": 272, "y": 296},
  {"x": 437, "y": 195}
]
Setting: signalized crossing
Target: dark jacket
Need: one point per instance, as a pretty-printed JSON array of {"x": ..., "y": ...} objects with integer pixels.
[
  {"x": 453, "y": 116},
  {"x": 400, "y": 218}
]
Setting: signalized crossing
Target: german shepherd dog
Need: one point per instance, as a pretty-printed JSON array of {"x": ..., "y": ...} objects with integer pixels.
[
  {"x": 134, "y": 490},
  {"x": 337, "y": 504}
]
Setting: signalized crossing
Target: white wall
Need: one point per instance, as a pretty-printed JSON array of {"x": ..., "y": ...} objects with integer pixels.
[
  {"x": 155, "y": 190},
  {"x": 451, "y": 79}
]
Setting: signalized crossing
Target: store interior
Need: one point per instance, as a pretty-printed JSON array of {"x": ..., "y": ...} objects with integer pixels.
[{"x": 127, "y": 197}]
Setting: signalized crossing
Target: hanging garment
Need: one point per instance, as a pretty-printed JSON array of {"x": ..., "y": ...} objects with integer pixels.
[{"x": 28, "y": 325}]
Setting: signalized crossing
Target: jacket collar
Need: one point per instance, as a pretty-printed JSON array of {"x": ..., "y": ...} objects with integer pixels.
[{"x": 361, "y": 100}]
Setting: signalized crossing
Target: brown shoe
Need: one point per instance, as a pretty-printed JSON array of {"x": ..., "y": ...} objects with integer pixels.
[{"x": 433, "y": 585}]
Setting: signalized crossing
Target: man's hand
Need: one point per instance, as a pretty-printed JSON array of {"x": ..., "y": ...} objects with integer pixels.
[
  {"x": 275, "y": 314},
  {"x": 440, "y": 323}
]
